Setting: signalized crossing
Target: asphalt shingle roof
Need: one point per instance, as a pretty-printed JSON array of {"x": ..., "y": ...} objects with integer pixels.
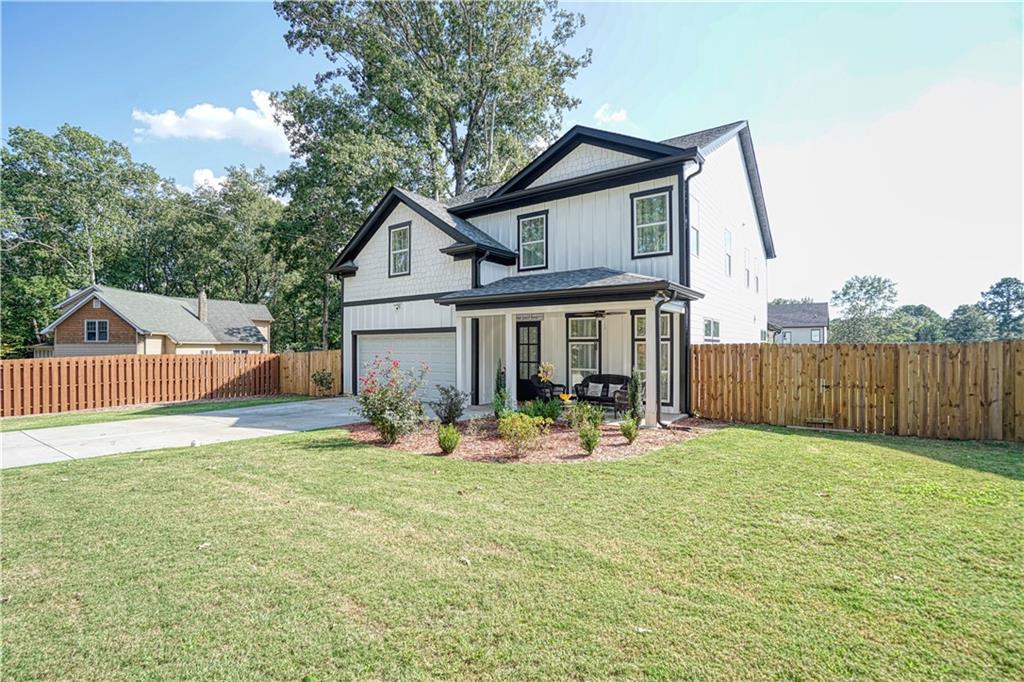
[
  {"x": 702, "y": 139},
  {"x": 798, "y": 314},
  {"x": 472, "y": 233},
  {"x": 227, "y": 321},
  {"x": 568, "y": 281}
]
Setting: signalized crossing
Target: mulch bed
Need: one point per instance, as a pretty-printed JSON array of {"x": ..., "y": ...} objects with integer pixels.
[{"x": 480, "y": 442}]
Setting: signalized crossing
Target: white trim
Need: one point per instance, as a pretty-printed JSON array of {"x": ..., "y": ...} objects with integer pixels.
[{"x": 85, "y": 330}]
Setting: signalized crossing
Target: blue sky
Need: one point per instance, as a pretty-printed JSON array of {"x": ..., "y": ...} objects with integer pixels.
[{"x": 856, "y": 112}]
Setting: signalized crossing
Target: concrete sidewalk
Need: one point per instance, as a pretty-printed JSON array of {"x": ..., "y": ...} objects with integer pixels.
[{"x": 65, "y": 443}]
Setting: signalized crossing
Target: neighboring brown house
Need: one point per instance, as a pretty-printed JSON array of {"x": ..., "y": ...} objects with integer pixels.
[{"x": 103, "y": 320}]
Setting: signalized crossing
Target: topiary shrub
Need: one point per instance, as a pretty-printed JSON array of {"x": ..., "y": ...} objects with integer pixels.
[
  {"x": 388, "y": 398},
  {"x": 450, "y": 404},
  {"x": 590, "y": 436},
  {"x": 521, "y": 431},
  {"x": 500, "y": 402},
  {"x": 629, "y": 428},
  {"x": 448, "y": 438},
  {"x": 580, "y": 413},
  {"x": 551, "y": 409}
]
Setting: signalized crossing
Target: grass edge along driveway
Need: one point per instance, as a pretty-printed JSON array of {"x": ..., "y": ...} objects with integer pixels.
[
  {"x": 751, "y": 552},
  {"x": 45, "y": 421}
]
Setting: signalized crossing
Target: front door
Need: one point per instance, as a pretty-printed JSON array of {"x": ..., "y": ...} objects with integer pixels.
[{"x": 527, "y": 358}]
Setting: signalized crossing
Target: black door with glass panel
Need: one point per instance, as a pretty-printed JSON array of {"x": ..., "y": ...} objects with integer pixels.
[{"x": 527, "y": 358}]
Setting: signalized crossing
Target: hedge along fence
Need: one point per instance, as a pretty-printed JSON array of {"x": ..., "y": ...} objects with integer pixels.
[
  {"x": 940, "y": 390},
  {"x": 51, "y": 385}
]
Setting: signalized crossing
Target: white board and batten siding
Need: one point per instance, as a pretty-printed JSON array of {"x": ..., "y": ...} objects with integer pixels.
[
  {"x": 720, "y": 200},
  {"x": 431, "y": 272}
]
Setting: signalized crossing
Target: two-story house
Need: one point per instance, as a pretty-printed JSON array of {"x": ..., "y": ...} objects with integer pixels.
[{"x": 603, "y": 247}]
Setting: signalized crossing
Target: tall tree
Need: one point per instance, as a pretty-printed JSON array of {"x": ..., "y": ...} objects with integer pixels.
[
  {"x": 970, "y": 323},
  {"x": 864, "y": 303},
  {"x": 1004, "y": 301},
  {"x": 790, "y": 301},
  {"x": 470, "y": 85},
  {"x": 914, "y": 323}
]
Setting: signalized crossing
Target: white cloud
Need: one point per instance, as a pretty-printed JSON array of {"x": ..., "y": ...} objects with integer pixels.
[
  {"x": 205, "y": 176},
  {"x": 253, "y": 127},
  {"x": 929, "y": 195},
  {"x": 605, "y": 116}
]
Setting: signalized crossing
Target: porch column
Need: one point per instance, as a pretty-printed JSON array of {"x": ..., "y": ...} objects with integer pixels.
[
  {"x": 651, "y": 367},
  {"x": 510, "y": 358},
  {"x": 460, "y": 353}
]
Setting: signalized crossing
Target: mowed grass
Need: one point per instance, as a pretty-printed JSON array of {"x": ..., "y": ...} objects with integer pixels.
[
  {"x": 746, "y": 553},
  {"x": 45, "y": 421}
]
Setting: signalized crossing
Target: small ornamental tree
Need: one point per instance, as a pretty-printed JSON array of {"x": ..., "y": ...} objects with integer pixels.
[
  {"x": 388, "y": 397},
  {"x": 635, "y": 397}
]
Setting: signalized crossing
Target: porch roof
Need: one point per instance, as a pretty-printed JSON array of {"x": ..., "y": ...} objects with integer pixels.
[{"x": 548, "y": 287}]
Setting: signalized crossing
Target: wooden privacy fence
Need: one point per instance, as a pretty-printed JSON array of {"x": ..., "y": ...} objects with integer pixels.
[
  {"x": 297, "y": 370},
  {"x": 940, "y": 390}
]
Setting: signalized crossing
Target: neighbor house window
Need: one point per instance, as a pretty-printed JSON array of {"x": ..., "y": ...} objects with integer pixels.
[
  {"x": 665, "y": 350},
  {"x": 652, "y": 235},
  {"x": 712, "y": 331},
  {"x": 206, "y": 352},
  {"x": 816, "y": 335},
  {"x": 240, "y": 351},
  {"x": 584, "y": 348},
  {"x": 533, "y": 241},
  {"x": 764, "y": 336},
  {"x": 728, "y": 253},
  {"x": 400, "y": 249},
  {"x": 96, "y": 331}
]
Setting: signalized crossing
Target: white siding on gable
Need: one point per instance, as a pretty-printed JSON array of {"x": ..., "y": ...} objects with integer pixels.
[
  {"x": 431, "y": 271},
  {"x": 589, "y": 231},
  {"x": 721, "y": 201},
  {"x": 583, "y": 160}
]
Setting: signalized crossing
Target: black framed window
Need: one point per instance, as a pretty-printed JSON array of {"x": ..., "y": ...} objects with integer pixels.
[
  {"x": 97, "y": 331},
  {"x": 533, "y": 241},
  {"x": 399, "y": 250},
  {"x": 583, "y": 339},
  {"x": 651, "y": 217},
  {"x": 664, "y": 348}
]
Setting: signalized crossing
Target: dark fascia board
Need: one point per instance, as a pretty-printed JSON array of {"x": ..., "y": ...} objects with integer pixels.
[
  {"x": 570, "y": 295},
  {"x": 462, "y": 251},
  {"x": 583, "y": 184},
  {"x": 754, "y": 178},
  {"x": 346, "y": 269},
  {"x": 391, "y": 198},
  {"x": 576, "y": 136}
]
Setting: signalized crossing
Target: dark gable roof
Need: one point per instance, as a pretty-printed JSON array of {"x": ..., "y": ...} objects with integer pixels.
[
  {"x": 577, "y": 282},
  {"x": 798, "y": 315},
  {"x": 436, "y": 213}
]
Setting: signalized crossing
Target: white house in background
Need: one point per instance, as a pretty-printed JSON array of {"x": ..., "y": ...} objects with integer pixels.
[
  {"x": 799, "y": 322},
  {"x": 567, "y": 262}
]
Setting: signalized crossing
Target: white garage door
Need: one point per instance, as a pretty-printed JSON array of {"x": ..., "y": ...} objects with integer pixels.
[{"x": 437, "y": 350}]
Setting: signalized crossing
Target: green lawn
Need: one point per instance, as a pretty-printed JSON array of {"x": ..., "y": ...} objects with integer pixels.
[
  {"x": 746, "y": 553},
  {"x": 45, "y": 421}
]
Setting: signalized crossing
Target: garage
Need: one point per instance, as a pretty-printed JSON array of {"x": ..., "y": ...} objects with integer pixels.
[{"x": 437, "y": 349}]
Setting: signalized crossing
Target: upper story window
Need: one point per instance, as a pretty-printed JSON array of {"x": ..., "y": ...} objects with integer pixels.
[
  {"x": 400, "y": 250},
  {"x": 652, "y": 217},
  {"x": 533, "y": 241},
  {"x": 746, "y": 267},
  {"x": 728, "y": 253},
  {"x": 757, "y": 284},
  {"x": 694, "y": 226},
  {"x": 96, "y": 331}
]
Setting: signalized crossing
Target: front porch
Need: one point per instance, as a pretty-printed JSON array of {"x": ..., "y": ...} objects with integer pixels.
[{"x": 600, "y": 327}]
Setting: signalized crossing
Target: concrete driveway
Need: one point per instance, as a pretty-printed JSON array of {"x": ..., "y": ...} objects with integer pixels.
[{"x": 65, "y": 443}]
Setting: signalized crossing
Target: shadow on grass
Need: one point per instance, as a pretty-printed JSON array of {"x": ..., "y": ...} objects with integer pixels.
[{"x": 993, "y": 457}]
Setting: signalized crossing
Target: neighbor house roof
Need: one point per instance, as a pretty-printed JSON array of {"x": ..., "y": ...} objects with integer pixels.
[
  {"x": 798, "y": 315},
  {"x": 178, "y": 318},
  {"x": 590, "y": 281}
]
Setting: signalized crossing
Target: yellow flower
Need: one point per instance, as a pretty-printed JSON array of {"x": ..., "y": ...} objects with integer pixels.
[
  {"x": 546, "y": 372},
  {"x": 565, "y": 397}
]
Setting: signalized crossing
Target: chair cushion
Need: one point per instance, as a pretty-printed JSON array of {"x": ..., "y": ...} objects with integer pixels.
[
  {"x": 594, "y": 390},
  {"x": 615, "y": 387}
]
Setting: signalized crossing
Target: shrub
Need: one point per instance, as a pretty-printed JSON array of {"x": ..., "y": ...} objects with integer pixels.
[
  {"x": 450, "y": 405},
  {"x": 387, "y": 398},
  {"x": 630, "y": 428},
  {"x": 590, "y": 436},
  {"x": 552, "y": 409},
  {"x": 500, "y": 402},
  {"x": 581, "y": 413},
  {"x": 448, "y": 438},
  {"x": 635, "y": 397},
  {"x": 323, "y": 379},
  {"x": 520, "y": 431}
]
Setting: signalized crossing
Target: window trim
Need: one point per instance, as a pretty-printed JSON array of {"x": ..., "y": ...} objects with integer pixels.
[
  {"x": 714, "y": 338},
  {"x": 85, "y": 330},
  {"x": 667, "y": 191},
  {"x": 663, "y": 337},
  {"x": 519, "y": 240},
  {"x": 599, "y": 341},
  {"x": 407, "y": 225},
  {"x": 813, "y": 332}
]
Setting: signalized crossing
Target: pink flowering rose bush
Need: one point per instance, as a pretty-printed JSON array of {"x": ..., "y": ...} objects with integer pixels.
[{"x": 388, "y": 397}]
